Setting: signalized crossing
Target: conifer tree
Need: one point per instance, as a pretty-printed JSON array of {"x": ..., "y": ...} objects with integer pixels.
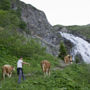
[{"x": 62, "y": 51}]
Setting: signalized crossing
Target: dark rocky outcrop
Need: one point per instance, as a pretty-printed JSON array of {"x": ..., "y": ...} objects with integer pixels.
[
  {"x": 38, "y": 26},
  {"x": 78, "y": 58},
  {"x": 35, "y": 19}
]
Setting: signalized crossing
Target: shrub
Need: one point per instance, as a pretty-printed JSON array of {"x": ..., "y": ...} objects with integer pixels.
[{"x": 77, "y": 60}]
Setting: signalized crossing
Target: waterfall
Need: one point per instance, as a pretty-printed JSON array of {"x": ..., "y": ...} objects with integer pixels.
[{"x": 80, "y": 46}]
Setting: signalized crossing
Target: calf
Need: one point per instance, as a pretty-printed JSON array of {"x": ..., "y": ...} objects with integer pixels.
[
  {"x": 45, "y": 65},
  {"x": 68, "y": 59},
  {"x": 7, "y": 70}
]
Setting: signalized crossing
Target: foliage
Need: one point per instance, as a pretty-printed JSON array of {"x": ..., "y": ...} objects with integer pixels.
[
  {"x": 18, "y": 45},
  {"x": 73, "y": 77},
  {"x": 62, "y": 50},
  {"x": 8, "y": 18},
  {"x": 5, "y": 4},
  {"x": 11, "y": 18}
]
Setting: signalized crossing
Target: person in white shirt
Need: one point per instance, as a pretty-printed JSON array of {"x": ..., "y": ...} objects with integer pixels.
[{"x": 20, "y": 69}]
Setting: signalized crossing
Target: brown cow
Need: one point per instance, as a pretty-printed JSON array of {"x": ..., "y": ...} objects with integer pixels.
[
  {"x": 7, "y": 70},
  {"x": 68, "y": 59},
  {"x": 45, "y": 65}
]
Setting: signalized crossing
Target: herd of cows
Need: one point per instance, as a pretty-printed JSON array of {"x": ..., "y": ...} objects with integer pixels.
[{"x": 45, "y": 65}]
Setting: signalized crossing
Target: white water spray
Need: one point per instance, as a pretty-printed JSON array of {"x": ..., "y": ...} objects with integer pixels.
[{"x": 80, "y": 46}]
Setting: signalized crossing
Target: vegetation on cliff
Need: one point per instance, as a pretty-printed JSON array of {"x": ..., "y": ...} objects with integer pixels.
[{"x": 81, "y": 30}]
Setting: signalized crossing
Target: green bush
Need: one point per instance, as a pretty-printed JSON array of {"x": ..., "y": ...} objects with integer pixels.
[{"x": 77, "y": 60}]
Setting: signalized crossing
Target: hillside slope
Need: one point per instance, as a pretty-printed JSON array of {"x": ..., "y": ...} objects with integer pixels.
[{"x": 18, "y": 39}]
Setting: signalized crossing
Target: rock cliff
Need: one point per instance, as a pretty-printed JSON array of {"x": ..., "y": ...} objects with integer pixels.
[{"x": 39, "y": 27}]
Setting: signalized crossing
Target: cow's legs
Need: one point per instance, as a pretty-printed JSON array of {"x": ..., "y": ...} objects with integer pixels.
[
  {"x": 8, "y": 75},
  {"x": 47, "y": 71},
  {"x": 65, "y": 61},
  {"x": 44, "y": 71},
  {"x": 3, "y": 75}
]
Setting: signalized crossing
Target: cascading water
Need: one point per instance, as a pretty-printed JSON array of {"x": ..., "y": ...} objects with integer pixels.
[{"x": 80, "y": 46}]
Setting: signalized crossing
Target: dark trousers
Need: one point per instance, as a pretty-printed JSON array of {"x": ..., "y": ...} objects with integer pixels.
[{"x": 20, "y": 74}]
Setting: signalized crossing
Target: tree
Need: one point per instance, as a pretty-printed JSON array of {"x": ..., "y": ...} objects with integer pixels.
[{"x": 62, "y": 51}]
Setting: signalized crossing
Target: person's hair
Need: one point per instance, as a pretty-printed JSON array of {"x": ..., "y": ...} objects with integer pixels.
[{"x": 21, "y": 57}]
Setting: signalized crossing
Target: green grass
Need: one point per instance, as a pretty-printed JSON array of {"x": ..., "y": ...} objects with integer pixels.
[
  {"x": 73, "y": 77},
  {"x": 34, "y": 69}
]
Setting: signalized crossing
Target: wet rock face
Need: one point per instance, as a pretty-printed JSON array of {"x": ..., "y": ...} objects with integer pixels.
[
  {"x": 76, "y": 33},
  {"x": 36, "y": 20},
  {"x": 37, "y": 24},
  {"x": 64, "y": 30},
  {"x": 68, "y": 45},
  {"x": 78, "y": 58}
]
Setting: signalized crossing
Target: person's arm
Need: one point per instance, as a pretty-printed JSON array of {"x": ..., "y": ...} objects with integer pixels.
[{"x": 26, "y": 63}]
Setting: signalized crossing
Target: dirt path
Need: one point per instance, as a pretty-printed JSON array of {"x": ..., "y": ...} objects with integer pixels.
[{"x": 61, "y": 65}]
